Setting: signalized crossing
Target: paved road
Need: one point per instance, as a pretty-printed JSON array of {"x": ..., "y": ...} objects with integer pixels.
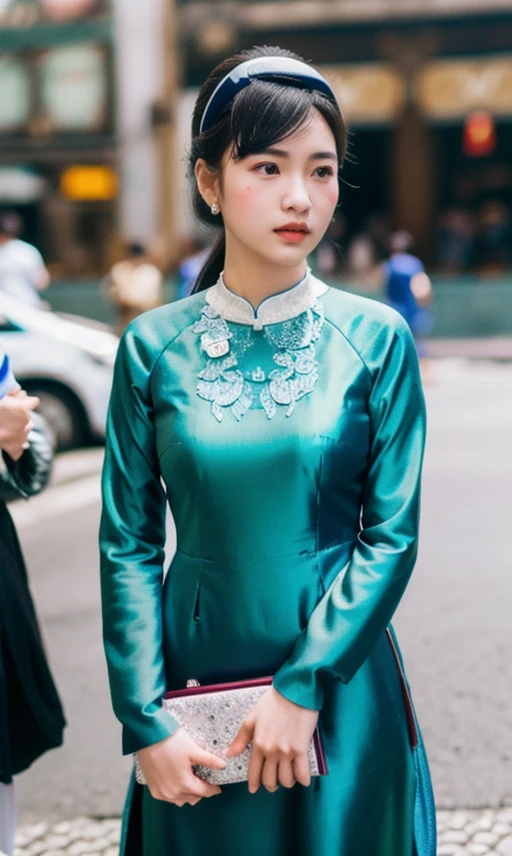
[{"x": 454, "y": 622}]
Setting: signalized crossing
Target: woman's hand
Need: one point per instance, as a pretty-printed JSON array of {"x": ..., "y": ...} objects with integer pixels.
[
  {"x": 167, "y": 767},
  {"x": 16, "y": 422},
  {"x": 280, "y": 732}
]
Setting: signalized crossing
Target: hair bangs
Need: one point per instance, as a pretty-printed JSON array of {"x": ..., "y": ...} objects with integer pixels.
[{"x": 266, "y": 113}]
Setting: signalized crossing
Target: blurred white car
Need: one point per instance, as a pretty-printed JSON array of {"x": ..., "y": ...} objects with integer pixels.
[{"x": 66, "y": 363}]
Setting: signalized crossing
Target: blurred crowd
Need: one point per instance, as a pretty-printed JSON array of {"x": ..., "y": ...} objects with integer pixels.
[
  {"x": 477, "y": 241},
  {"x": 467, "y": 241}
]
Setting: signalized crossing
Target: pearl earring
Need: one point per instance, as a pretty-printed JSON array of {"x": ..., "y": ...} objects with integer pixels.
[{"x": 215, "y": 209}]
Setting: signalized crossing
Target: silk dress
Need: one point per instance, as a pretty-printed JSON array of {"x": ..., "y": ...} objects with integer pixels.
[{"x": 288, "y": 442}]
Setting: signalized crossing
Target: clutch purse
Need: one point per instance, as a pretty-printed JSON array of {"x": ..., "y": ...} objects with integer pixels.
[{"x": 213, "y": 714}]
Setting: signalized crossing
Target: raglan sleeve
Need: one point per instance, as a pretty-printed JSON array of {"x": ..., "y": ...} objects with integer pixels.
[
  {"x": 356, "y": 609},
  {"x": 132, "y": 539}
]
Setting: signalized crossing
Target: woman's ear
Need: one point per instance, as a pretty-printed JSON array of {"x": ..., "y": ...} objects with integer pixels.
[{"x": 207, "y": 182}]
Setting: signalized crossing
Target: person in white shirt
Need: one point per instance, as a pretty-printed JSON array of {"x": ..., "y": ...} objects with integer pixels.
[{"x": 23, "y": 274}]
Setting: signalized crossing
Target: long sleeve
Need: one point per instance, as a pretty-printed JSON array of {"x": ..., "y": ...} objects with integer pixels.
[
  {"x": 359, "y": 604},
  {"x": 132, "y": 538},
  {"x": 30, "y": 474}
]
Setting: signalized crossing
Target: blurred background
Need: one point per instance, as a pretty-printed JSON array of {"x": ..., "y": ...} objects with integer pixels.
[{"x": 95, "y": 106}]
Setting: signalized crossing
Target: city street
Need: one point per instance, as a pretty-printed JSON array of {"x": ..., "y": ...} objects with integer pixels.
[{"x": 453, "y": 624}]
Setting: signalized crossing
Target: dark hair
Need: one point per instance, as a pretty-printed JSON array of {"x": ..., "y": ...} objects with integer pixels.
[
  {"x": 135, "y": 248},
  {"x": 260, "y": 115},
  {"x": 401, "y": 241},
  {"x": 11, "y": 224}
]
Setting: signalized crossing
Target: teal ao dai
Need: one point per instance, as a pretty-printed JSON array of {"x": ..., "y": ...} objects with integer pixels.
[{"x": 288, "y": 443}]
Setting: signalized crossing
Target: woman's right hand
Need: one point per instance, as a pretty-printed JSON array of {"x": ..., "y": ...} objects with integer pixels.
[{"x": 167, "y": 767}]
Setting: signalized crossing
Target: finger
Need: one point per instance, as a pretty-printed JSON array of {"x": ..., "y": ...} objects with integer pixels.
[
  {"x": 255, "y": 767},
  {"x": 199, "y": 788},
  {"x": 185, "y": 799},
  {"x": 285, "y": 774},
  {"x": 269, "y": 775},
  {"x": 301, "y": 770},
  {"x": 241, "y": 741},
  {"x": 207, "y": 759}
]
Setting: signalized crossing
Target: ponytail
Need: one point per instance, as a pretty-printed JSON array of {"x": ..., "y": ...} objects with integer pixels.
[{"x": 212, "y": 267}]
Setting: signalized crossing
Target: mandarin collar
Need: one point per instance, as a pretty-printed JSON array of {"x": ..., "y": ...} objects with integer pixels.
[{"x": 272, "y": 310}]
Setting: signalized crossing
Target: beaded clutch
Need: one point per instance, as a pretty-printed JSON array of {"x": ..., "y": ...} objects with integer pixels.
[{"x": 213, "y": 714}]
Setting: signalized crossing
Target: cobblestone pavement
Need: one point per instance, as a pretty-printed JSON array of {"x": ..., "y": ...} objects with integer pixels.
[{"x": 461, "y": 833}]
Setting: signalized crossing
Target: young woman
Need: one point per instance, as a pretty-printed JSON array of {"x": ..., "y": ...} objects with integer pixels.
[{"x": 284, "y": 423}]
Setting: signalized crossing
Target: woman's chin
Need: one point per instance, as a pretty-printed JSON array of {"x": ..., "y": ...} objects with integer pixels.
[{"x": 286, "y": 256}]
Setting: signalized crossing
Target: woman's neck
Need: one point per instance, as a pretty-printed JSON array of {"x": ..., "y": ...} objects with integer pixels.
[{"x": 256, "y": 279}]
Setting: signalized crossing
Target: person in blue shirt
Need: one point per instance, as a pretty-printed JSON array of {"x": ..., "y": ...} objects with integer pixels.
[{"x": 408, "y": 288}]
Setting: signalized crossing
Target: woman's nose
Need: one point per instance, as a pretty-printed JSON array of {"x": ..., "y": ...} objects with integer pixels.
[{"x": 296, "y": 197}]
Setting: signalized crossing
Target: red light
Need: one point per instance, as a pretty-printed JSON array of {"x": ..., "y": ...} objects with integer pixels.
[{"x": 479, "y": 134}]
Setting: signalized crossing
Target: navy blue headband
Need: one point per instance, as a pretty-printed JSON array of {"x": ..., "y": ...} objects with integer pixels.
[{"x": 279, "y": 69}]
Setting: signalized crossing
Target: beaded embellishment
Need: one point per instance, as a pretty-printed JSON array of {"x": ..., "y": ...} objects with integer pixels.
[
  {"x": 213, "y": 720},
  {"x": 227, "y": 387}
]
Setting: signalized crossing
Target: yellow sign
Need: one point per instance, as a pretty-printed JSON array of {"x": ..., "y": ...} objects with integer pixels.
[
  {"x": 89, "y": 183},
  {"x": 450, "y": 89},
  {"x": 366, "y": 92}
]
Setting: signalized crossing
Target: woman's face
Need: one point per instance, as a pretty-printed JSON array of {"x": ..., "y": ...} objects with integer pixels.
[{"x": 277, "y": 205}]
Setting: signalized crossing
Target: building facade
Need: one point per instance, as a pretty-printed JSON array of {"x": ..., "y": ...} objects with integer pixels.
[
  {"x": 426, "y": 88},
  {"x": 57, "y": 127},
  {"x": 96, "y": 99}
]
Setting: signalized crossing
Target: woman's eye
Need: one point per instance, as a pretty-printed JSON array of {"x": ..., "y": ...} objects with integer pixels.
[
  {"x": 324, "y": 171},
  {"x": 268, "y": 169}
]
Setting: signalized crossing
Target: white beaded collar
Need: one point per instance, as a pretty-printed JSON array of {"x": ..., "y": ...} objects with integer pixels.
[{"x": 273, "y": 310}]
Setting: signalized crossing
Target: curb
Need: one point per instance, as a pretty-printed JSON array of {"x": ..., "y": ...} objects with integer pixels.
[{"x": 493, "y": 348}]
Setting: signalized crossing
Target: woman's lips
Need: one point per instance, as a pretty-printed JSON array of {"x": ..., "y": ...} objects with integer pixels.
[{"x": 292, "y": 236}]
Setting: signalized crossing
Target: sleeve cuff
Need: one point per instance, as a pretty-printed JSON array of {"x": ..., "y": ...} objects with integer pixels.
[
  {"x": 301, "y": 691},
  {"x": 155, "y": 728}
]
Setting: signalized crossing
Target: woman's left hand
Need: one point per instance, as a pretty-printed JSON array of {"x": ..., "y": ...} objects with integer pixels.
[{"x": 280, "y": 732}]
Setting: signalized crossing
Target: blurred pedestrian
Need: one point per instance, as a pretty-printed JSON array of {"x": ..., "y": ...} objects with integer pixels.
[
  {"x": 31, "y": 717},
  {"x": 190, "y": 267},
  {"x": 456, "y": 241},
  {"x": 329, "y": 256},
  {"x": 23, "y": 274},
  {"x": 284, "y": 422},
  {"x": 408, "y": 289},
  {"x": 361, "y": 259},
  {"x": 134, "y": 285},
  {"x": 494, "y": 238}
]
